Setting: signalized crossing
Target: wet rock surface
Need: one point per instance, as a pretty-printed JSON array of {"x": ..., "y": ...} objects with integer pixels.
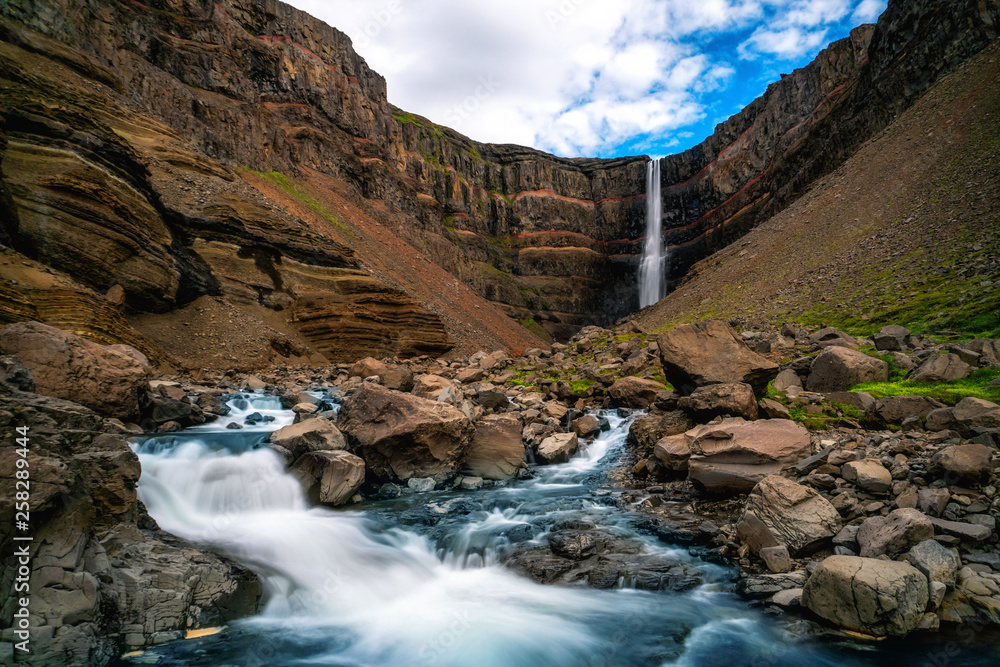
[{"x": 104, "y": 578}]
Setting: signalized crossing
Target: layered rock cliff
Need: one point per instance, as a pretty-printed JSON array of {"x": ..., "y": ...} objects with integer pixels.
[{"x": 239, "y": 158}]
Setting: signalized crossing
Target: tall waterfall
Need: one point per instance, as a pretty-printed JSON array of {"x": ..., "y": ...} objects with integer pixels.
[{"x": 652, "y": 270}]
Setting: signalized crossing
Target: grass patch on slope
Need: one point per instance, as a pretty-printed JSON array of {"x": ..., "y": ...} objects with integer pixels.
[
  {"x": 289, "y": 187},
  {"x": 977, "y": 385}
]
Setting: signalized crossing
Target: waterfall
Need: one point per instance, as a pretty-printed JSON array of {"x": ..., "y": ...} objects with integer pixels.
[{"x": 652, "y": 270}]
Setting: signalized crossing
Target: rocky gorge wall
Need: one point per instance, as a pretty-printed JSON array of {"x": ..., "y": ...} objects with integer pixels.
[{"x": 169, "y": 99}]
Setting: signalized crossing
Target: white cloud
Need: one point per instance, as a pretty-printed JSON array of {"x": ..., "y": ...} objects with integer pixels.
[
  {"x": 576, "y": 77},
  {"x": 868, "y": 10},
  {"x": 787, "y": 43}
]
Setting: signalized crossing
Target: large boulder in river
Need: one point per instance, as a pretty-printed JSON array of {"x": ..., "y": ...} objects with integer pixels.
[
  {"x": 733, "y": 456},
  {"x": 648, "y": 429},
  {"x": 329, "y": 478},
  {"x": 732, "y": 399},
  {"x": 402, "y": 436},
  {"x": 106, "y": 379},
  {"x": 840, "y": 368},
  {"x": 558, "y": 448},
  {"x": 633, "y": 392},
  {"x": 310, "y": 435},
  {"x": 876, "y": 597},
  {"x": 790, "y": 514},
  {"x": 497, "y": 451},
  {"x": 711, "y": 352}
]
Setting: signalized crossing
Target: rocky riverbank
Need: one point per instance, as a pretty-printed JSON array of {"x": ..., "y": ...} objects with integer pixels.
[{"x": 870, "y": 515}]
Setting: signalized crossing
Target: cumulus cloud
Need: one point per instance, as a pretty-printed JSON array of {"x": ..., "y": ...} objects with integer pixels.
[{"x": 576, "y": 77}]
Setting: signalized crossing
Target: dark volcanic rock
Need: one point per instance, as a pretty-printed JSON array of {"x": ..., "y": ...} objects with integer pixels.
[{"x": 100, "y": 585}]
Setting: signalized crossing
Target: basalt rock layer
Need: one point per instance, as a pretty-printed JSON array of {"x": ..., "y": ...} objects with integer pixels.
[{"x": 354, "y": 227}]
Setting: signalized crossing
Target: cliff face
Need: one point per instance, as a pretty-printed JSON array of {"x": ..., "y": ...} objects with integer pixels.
[{"x": 126, "y": 126}]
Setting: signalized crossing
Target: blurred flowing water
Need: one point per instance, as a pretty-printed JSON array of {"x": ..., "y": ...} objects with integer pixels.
[{"x": 416, "y": 580}]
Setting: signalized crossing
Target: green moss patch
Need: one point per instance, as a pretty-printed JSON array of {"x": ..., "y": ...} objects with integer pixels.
[{"x": 977, "y": 385}]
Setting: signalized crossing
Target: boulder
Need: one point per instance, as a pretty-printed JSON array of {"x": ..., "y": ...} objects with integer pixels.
[
  {"x": 733, "y": 456},
  {"x": 840, "y": 368},
  {"x": 421, "y": 484},
  {"x": 402, "y": 436},
  {"x": 711, "y": 352},
  {"x": 894, "y": 409},
  {"x": 794, "y": 515},
  {"x": 892, "y": 338},
  {"x": 876, "y": 597},
  {"x": 933, "y": 501},
  {"x": 787, "y": 379},
  {"x": 868, "y": 474},
  {"x": 107, "y": 380},
  {"x": 776, "y": 559},
  {"x": 894, "y": 534},
  {"x": 673, "y": 452},
  {"x": 988, "y": 350},
  {"x": 157, "y": 409},
  {"x": 329, "y": 478},
  {"x": 556, "y": 410},
  {"x": 633, "y": 392},
  {"x": 734, "y": 400},
  {"x": 367, "y": 367},
  {"x": 435, "y": 388},
  {"x": 311, "y": 435},
  {"x": 972, "y": 532},
  {"x": 647, "y": 430},
  {"x": 832, "y": 337},
  {"x": 586, "y": 426},
  {"x": 496, "y": 451},
  {"x": 770, "y": 409},
  {"x": 860, "y": 400},
  {"x": 938, "y": 563},
  {"x": 399, "y": 378},
  {"x": 467, "y": 375},
  {"x": 492, "y": 397},
  {"x": 970, "y": 464},
  {"x": 970, "y": 413},
  {"x": 940, "y": 368},
  {"x": 558, "y": 448}
]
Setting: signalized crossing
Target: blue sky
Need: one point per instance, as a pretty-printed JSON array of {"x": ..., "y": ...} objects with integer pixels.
[{"x": 596, "y": 78}]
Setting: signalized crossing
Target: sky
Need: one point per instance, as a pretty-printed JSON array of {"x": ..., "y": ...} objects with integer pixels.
[{"x": 587, "y": 78}]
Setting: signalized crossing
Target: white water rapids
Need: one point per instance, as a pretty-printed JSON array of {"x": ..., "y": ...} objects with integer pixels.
[{"x": 356, "y": 588}]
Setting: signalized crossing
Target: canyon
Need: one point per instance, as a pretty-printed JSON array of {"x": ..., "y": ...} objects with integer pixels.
[{"x": 170, "y": 166}]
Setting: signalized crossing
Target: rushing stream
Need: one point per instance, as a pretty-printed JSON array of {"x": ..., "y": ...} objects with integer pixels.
[{"x": 415, "y": 580}]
